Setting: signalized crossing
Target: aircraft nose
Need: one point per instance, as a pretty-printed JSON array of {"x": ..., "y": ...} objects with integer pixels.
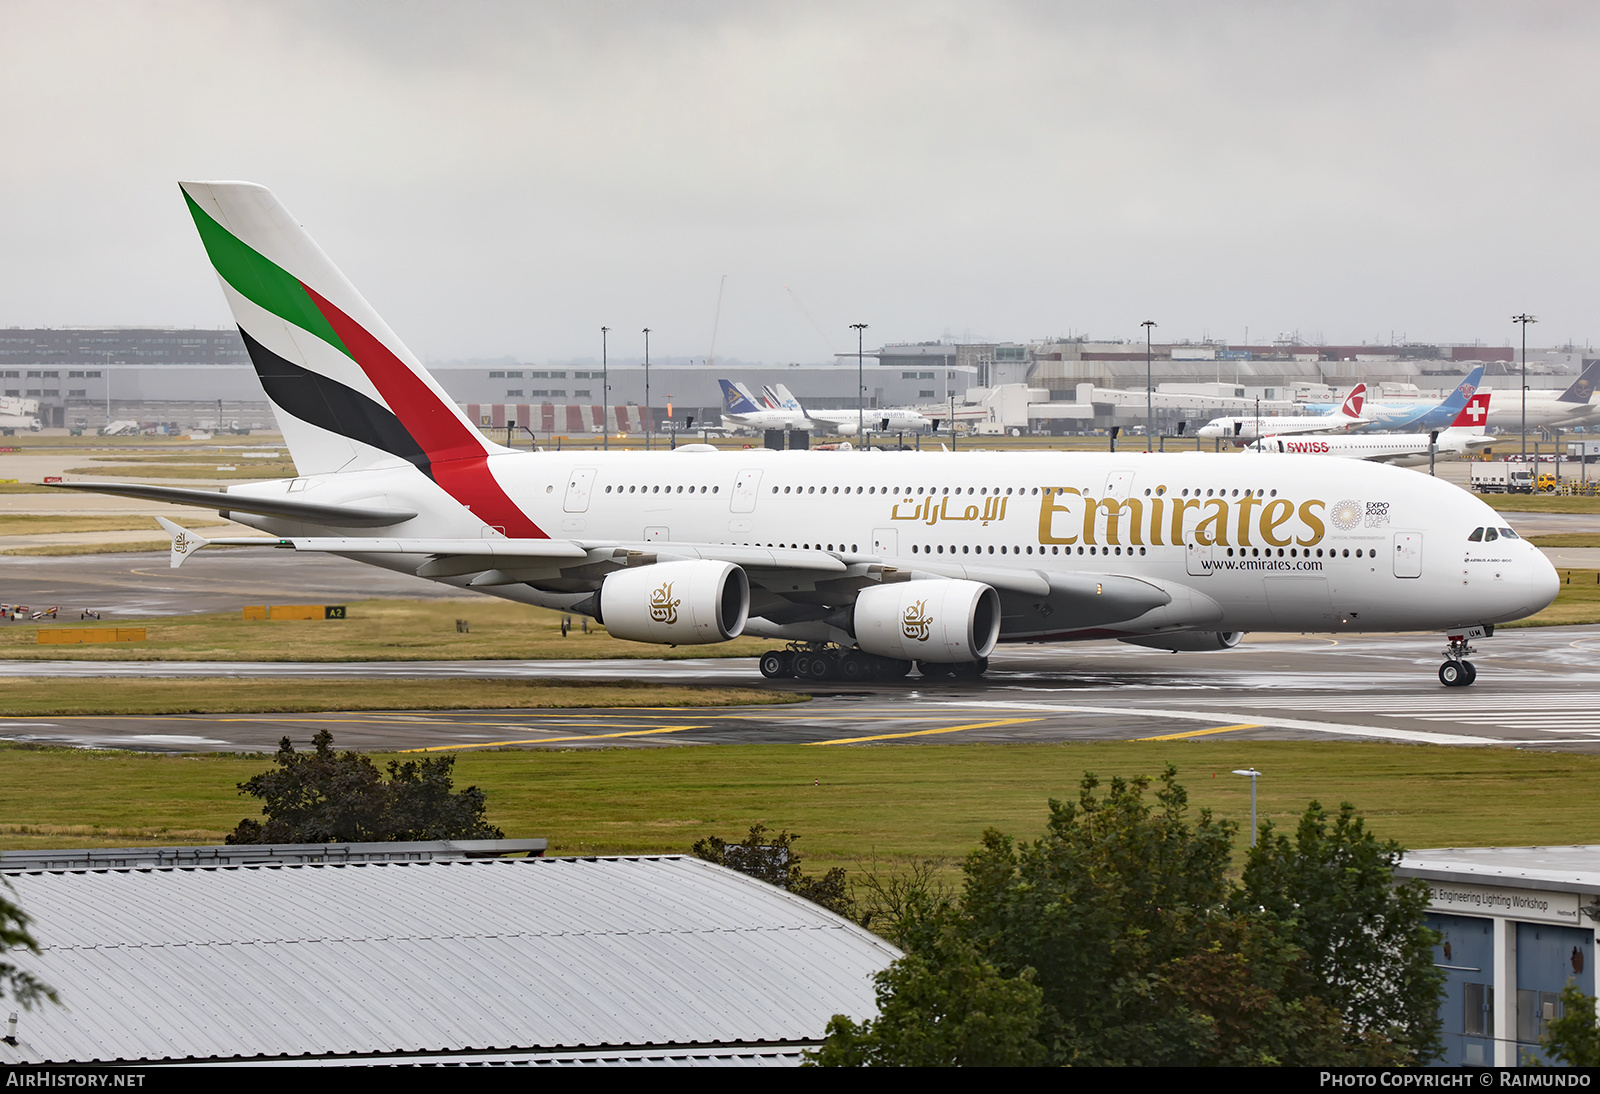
[{"x": 1542, "y": 580}]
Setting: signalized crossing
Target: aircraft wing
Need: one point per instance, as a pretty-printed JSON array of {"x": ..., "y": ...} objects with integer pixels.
[
  {"x": 787, "y": 584},
  {"x": 347, "y": 516}
]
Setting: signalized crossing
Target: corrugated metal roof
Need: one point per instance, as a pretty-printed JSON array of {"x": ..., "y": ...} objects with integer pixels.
[
  {"x": 1574, "y": 868},
  {"x": 463, "y": 956}
]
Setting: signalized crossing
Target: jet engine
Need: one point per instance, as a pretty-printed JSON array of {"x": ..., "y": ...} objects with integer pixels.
[
  {"x": 938, "y": 621},
  {"x": 1189, "y": 641},
  {"x": 676, "y": 603}
]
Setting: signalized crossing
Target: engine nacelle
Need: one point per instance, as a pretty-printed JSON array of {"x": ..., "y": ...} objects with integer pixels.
[
  {"x": 676, "y": 603},
  {"x": 939, "y": 621},
  {"x": 1189, "y": 641}
]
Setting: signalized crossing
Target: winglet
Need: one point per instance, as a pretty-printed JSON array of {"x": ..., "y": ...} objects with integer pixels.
[{"x": 184, "y": 542}]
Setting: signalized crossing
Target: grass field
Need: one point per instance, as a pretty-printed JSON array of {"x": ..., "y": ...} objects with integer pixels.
[
  {"x": 376, "y": 630},
  {"x": 207, "y": 695},
  {"x": 38, "y": 524},
  {"x": 209, "y": 468},
  {"x": 1577, "y": 602},
  {"x": 1566, "y": 539},
  {"x": 1540, "y": 503},
  {"x": 893, "y": 802},
  {"x": 119, "y": 547}
]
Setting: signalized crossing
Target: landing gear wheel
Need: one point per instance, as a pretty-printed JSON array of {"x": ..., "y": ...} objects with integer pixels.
[
  {"x": 1472, "y": 673},
  {"x": 855, "y": 668},
  {"x": 777, "y": 664},
  {"x": 1452, "y": 674},
  {"x": 818, "y": 666},
  {"x": 971, "y": 670},
  {"x": 935, "y": 668}
]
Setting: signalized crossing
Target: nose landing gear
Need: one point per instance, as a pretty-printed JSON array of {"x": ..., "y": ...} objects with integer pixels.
[{"x": 1457, "y": 671}]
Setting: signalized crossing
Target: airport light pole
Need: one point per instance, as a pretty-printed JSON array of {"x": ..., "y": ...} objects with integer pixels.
[
  {"x": 861, "y": 386},
  {"x": 1253, "y": 775},
  {"x": 647, "y": 421},
  {"x": 605, "y": 393},
  {"x": 1149, "y": 388},
  {"x": 1524, "y": 319}
]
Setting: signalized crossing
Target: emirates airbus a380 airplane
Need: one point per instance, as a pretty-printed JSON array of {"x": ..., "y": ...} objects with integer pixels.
[{"x": 866, "y": 562}]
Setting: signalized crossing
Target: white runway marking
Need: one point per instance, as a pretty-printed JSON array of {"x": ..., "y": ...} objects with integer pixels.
[{"x": 1336, "y": 728}]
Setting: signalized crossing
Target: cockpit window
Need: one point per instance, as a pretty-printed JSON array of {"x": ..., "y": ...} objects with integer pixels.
[
  {"x": 1490, "y": 535},
  {"x": 1508, "y": 533},
  {"x": 1476, "y": 536}
]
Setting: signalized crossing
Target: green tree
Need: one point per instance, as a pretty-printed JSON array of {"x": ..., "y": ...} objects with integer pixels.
[
  {"x": 1113, "y": 891},
  {"x": 941, "y": 1007},
  {"x": 323, "y": 796},
  {"x": 17, "y": 983},
  {"x": 1368, "y": 950},
  {"x": 1123, "y": 918},
  {"x": 1573, "y": 1039},
  {"x": 776, "y": 862}
]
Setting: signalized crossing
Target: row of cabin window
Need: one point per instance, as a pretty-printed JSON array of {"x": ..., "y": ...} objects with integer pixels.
[
  {"x": 897, "y": 492},
  {"x": 668, "y": 490},
  {"x": 1254, "y": 552}
]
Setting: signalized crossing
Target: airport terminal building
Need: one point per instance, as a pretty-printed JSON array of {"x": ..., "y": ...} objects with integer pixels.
[{"x": 202, "y": 379}]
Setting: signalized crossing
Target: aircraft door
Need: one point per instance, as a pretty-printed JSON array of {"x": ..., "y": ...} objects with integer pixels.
[
  {"x": 886, "y": 542},
  {"x": 1197, "y": 556},
  {"x": 577, "y": 498},
  {"x": 746, "y": 488},
  {"x": 1408, "y": 554}
]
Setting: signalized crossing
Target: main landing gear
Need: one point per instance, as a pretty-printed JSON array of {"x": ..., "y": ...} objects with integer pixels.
[
  {"x": 854, "y": 666},
  {"x": 1457, "y": 671}
]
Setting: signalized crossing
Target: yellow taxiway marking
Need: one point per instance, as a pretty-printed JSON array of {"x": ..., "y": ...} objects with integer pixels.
[
  {"x": 1199, "y": 732},
  {"x": 927, "y": 732},
  {"x": 553, "y": 740},
  {"x": 567, "y": 720}
]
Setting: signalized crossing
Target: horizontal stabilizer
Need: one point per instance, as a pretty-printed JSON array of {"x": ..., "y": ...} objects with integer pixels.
[{"x": 341, "y": 515}]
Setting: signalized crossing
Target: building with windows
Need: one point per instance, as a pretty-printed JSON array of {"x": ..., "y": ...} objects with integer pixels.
[{"x": 1517, "y": 925}]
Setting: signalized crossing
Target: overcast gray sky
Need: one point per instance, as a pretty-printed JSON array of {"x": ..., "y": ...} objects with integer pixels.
[{"x": 504, "y": 178}]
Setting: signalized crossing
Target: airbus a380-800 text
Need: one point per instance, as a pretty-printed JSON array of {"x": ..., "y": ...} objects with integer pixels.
[{"x": 867, "y": 563}]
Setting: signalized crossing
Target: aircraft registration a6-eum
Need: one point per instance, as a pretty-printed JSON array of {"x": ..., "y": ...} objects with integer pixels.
[{"x": 866, "y": 562}]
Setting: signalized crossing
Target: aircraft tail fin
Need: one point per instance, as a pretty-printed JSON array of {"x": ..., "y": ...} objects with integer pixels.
[
  {"x": 1354, "y": 401},
  {"x": 1474, "y": 417},
  {"x": 346, "y": 391},
  {"x": 786, "y": 399},
  {"x": 1582, "y": 389},
  {"x": 735, "y": 400},
  {"x": 1457, "y": 399}
]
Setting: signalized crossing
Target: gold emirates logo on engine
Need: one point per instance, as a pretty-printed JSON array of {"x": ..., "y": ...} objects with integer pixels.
[
  {"x": 663, "y": 608},
  {"x": 917, "y": 621}
]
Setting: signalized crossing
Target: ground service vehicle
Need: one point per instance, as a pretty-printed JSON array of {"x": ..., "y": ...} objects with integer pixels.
[{"x": 1501, "y": 478}]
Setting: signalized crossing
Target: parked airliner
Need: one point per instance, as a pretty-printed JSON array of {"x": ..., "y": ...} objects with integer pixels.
[
  {"x": 865, "y": 562},
  {"x": 847, "y": 423},
  {"x": 1240, "y": 429},
  {"x": 1465, "y": 436}
]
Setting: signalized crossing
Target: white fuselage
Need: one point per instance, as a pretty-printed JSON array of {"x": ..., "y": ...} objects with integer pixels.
[
  {"x": 1275, "y": 543},
  {"x": 1399, "y": 449},
  {"x": 1249, "y": 428},
  {"x": 1543, "y": 410}
]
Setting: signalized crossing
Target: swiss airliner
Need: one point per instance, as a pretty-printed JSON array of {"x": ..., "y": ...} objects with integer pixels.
[
  {"x": 1464, "y": 437},
  {"x": 867, "y": 563}
]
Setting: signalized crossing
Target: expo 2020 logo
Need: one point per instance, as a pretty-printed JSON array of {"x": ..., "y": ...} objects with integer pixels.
[{"x": 1345, "y": 515}]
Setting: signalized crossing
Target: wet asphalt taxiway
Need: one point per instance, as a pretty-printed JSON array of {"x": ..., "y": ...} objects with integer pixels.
[{"x": 1536, "y": 688}]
